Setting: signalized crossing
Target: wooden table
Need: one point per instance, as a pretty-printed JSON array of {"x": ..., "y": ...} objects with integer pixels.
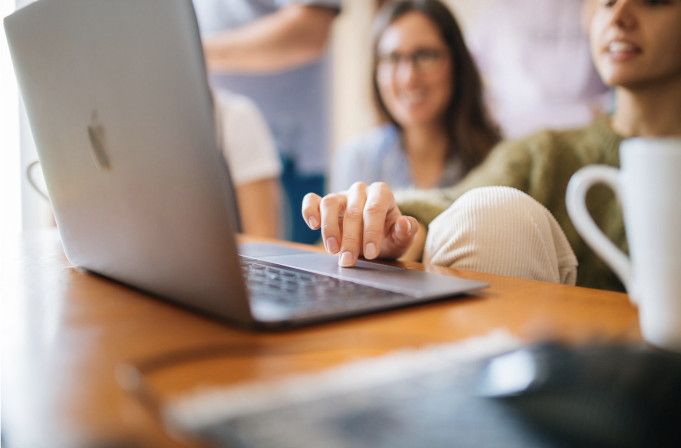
[{"x": 65, "y": 332}]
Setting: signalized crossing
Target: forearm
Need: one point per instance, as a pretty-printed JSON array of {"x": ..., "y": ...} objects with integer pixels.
[
  {"x": 292, "y": 36},
  {"x": 260, "y": 207}
]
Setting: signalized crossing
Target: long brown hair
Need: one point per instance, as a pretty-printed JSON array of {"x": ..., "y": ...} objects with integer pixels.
[{"x": 472, "y": 132}]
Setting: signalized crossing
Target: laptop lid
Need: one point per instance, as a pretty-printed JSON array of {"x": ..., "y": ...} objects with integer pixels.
[{"x": 122, "y": 116}]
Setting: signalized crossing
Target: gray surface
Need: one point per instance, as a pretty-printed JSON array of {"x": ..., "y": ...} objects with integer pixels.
[{"x": 438, "y": 409}]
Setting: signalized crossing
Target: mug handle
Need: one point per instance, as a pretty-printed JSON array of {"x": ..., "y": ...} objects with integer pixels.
[
  {"x": 30, "y": 170},
  {"x": 575, "y": 200}
]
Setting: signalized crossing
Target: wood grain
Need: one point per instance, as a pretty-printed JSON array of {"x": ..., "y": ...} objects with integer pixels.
[{"x": 66, "y": 332}]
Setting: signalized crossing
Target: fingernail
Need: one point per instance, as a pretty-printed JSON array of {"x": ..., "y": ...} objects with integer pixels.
[
  {"x": 400, "y": 227},
  {"x": 410, "y": 227},
  {"x": 332, "y": 245},
  {"x": 346, "y": 259},
  {"x": 370, "y": 251},
  {"x": 312, "y": 222}
]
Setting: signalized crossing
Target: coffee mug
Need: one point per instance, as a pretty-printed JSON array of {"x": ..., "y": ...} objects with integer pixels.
[{"x": 648, "y": 185}]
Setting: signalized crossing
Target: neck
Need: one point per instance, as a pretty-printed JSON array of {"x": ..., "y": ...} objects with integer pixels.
[
  {"x": 426, "y": 151},
  {"x": 648, "y": 111},
  {"x": 425, "y": 143}
]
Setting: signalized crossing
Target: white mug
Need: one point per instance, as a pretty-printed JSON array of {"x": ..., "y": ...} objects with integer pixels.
[{"x": 648, "y": 185}]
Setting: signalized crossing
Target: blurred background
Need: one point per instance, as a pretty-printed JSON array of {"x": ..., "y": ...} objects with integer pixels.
[{"x": 352, "y": 111}]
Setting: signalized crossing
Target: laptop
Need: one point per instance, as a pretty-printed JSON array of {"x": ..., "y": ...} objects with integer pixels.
[{"x": 122, "y": 115}]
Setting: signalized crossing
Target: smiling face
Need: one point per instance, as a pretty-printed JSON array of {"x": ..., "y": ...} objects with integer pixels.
[
  {"x": 637, "y": 42},
  {"x": 414, "y": 72}
]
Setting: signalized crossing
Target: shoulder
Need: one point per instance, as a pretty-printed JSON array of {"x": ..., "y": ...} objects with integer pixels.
[
  {"x": 543, "y": 158},
  {"x": 372, "y": 142},
  {"x": 543, "y": 141},
  {"x": 359, "y": 152},
  {"x": 590, "y": 144},
  {"x": 235, "y": 104},
  {"x": 239, "y": 115},
  {"x": 246, "y": 140},
  {"x": 595, "y": 143},
  {"x": 363, "y": 157}
]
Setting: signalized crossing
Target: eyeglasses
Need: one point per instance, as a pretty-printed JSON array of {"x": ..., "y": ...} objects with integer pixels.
[{"x": 422, "y": 60}]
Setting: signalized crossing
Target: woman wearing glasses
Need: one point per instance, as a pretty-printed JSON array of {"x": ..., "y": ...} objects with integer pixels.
[{"x": 428, "y": 95}]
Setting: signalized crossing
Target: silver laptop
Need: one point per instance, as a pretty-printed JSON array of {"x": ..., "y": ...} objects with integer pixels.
[{"x": 122, "y": 115}]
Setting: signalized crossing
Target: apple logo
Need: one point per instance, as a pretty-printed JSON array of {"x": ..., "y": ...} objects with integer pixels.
[{"x": 95, "y": 132}]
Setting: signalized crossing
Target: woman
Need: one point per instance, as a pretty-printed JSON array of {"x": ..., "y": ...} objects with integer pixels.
[
  {"x": 636, "y": 46},
  {"x": 428, "y": 95}
]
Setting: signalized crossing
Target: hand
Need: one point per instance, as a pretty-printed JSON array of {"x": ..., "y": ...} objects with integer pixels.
[{"x": 363, "y": 220}]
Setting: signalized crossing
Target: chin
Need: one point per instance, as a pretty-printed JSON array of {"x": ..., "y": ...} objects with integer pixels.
[
  {"x": 417, "y": 119},
  {"x": 413, "y": 123},
  {"x": 633, "y": 83},
  {"x": 631, "y": 77},
  {"x": 616, "y": 78}
]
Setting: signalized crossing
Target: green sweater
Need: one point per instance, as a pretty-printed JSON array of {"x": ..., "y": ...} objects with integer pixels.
[{"x": 541, "y": 165}]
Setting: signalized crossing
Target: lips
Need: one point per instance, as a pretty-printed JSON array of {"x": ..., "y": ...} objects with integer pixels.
[
  {"x": 622, "y": 50},
  {"x": 413, "y": 96}
]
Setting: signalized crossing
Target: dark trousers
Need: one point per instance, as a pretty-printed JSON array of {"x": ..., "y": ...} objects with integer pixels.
[{"x": 297, "y": 185}]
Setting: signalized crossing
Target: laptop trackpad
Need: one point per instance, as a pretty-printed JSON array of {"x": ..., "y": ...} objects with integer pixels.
[{"x": 266, "y": 251}]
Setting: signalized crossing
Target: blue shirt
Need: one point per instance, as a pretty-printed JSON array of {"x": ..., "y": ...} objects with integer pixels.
[
  {"x": 295, "y": 102},
  {"x": 378, "y": 156}
]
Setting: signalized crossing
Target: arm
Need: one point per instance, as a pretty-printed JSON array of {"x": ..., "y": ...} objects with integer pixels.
[
  {"x": 252, "y": 158},
  {"x": 257, "y": 219},
  {"x": 294, "y": 35}
]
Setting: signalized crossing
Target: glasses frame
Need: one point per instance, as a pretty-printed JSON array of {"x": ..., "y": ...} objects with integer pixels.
[{"x": 421, "y": 60}]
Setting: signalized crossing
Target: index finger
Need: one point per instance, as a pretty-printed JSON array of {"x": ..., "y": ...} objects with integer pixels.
[{"x": 379, "y": 199}]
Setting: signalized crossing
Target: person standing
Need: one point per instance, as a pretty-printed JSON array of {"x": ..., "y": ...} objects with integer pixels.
[{"x": 274, "y": 52}]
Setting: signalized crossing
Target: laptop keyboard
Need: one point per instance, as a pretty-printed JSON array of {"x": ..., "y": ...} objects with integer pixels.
[{"x": 293, "y": 287}]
